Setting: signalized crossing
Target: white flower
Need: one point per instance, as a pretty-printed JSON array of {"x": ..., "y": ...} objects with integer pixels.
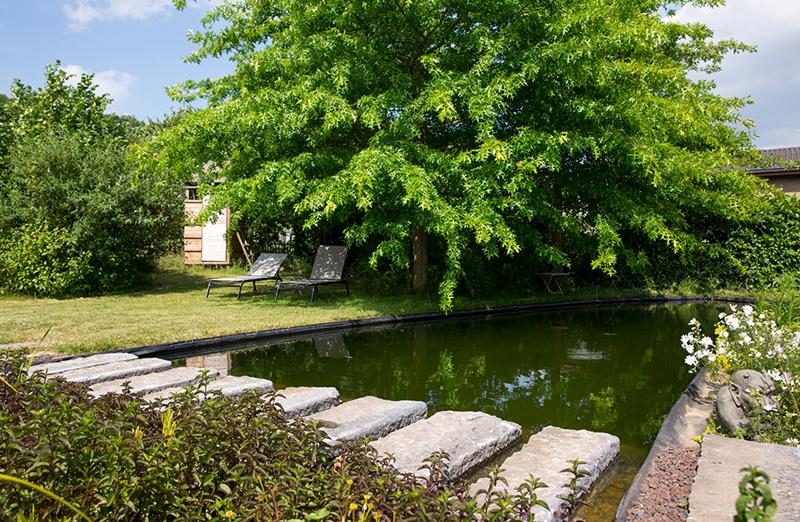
[
  {"x": 770, "y": 407},
  {"x": 746, "y": 339},
  {"x": 732, "y": 321},
  {"x": 748, "y": 310},
  {"x": 691, "y": 360},
  {"x": 707, "y": 342},
  {"x": 694, "y": 322},
  {"x": 722, "y": 315},
  {"x": 762, "y": 316},
  {"x": 774, "y": 375},
  {"x": 792, "y": 441}
]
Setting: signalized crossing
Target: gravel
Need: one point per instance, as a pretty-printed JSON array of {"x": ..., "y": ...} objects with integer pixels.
[{"x": 665, "y": 492}]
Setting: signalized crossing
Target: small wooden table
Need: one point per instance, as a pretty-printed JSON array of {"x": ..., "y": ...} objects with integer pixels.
[{"x": 553, "y": 280}]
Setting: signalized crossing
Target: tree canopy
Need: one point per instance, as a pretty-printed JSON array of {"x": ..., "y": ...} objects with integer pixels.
[{"x": 562, "y": 129}]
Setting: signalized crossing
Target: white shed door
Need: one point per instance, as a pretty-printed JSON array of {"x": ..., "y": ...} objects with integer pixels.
[{"x": 215, "y": 247}]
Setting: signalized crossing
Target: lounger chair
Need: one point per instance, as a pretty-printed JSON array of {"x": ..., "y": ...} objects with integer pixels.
[
  {"x": 266, "y": 267},
  {"x": 327, "y": 270}
]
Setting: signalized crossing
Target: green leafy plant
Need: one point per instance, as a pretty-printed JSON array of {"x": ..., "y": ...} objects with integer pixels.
[
  {"x": 575, "y": 491},
  {"x": 755, "y": 502},
  {"x": 120, "y": 458}
]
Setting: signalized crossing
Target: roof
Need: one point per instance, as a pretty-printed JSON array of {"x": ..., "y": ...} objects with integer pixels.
[{"x": 786, "y": 161}]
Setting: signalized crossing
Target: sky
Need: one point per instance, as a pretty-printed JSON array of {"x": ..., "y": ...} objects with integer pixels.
[{"x": 136, "y": 48}]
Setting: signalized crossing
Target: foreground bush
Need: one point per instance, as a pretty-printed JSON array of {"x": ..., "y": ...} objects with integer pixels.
[{"x": 118, "y": 458}]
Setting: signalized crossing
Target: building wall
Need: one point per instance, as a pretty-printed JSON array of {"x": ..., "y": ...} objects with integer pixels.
[{"x": 789, "y": 183}]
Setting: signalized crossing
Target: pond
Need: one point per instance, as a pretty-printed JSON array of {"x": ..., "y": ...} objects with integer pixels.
[{"x": 612, "y": 369}]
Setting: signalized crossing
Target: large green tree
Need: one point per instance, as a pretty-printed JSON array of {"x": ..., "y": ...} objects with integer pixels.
[{"x": 567, "y": 129}]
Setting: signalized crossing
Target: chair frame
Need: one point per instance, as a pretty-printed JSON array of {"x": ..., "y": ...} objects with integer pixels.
[
  {"x": 301, "y": 284},
  {"x": 243, "y": 280}
]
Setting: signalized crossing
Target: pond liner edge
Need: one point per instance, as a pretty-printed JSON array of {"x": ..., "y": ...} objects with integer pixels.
[
  {"x": 242, "y": 340},
  {"x": 684, "y": 423}
]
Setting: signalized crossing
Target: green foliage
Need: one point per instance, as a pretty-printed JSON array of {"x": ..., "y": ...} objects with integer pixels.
[
  {"x": 119, "y": 458},
  {"x": 767, "y": 244},
  {"x": 74, "y": 217},
  {"x": 747, "y": 339},
  {"x": 567, "y": 132},
  {"x": 41, "y": 260},
  {"x": 575, "y": 491},
  {"x": 755, "y": 502}
]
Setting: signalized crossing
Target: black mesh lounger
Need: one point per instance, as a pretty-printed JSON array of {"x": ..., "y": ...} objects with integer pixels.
[
  {"x": 327, "y": 270},
  {"x": 266, "y": 267}
]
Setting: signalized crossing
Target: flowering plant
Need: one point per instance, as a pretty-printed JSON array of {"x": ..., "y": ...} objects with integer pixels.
[{"x": 747, "y": 339}]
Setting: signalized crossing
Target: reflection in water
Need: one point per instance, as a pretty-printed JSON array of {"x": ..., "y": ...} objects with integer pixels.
[
  {"x": 217, "y": 361},
  {"x": 617, "y": 369},
  {"x": 331, "y": 347}
]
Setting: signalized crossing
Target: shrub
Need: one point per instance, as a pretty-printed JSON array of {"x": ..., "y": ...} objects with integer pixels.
[
  {"x": 747, "y": 339},
  {"x": 38, "y": 259},
  {"x": 119, "y": 458},
  {"x": 107, "y": 226}
]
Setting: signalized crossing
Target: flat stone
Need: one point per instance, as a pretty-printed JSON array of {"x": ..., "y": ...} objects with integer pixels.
[
  {"x": 301, "y": 400},
  {"x": 26, "y": 344},
  {"x": 229, "y": 386},
  {"x": 153, "y": 382},
  {"x": 77, "y": 363},
  {"x": 115, "y": 370},
  {"x": 470, "y": 438},
  {"x": 716, "y": 485},
  {"x": 368, "y": 417},
  {"x": 546, "y": 454}
]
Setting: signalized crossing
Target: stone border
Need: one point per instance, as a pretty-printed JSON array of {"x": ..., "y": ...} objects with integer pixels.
[
  {"x": 685, "y": 421},
  {"x": 180, "y": 349}
]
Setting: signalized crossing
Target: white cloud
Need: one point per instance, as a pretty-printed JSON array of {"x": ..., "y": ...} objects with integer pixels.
[
  {"x": 111, "y": 81},
  {"x": 81, "y": 13},
  {"x": 772, "y": 75}
]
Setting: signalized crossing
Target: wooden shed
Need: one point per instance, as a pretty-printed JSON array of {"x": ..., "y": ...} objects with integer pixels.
[{"x": 212, "y": 243}]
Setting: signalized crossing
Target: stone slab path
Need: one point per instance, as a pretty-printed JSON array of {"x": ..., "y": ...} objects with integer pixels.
[
  {"x": 546, "y": 454},
  {"x": 229, "y": 386},
  {"x": 716, "y": 485},
  {"x": 55, "y": 368},
  {"x": 470, "y": 438},
  {"x": 115, "y": 370},
  {"x": 153, "y": 382},
  {"x": 300, "y": 401},
  {"x": 368, "y": 417}
]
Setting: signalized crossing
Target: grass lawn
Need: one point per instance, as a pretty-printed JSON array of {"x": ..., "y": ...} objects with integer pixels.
[{"x": 173, "y": 308}]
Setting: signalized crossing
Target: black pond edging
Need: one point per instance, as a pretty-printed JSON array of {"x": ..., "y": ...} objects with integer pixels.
[
  {"x": 685, "y": 421},
  {"x": 236, "y": 341}
]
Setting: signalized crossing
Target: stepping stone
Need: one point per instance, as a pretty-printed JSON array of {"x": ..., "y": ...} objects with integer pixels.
[
  {"x": 76, "y": 363},
  {"x": 470, "y": 438},
  {"x": 115, "y": 370},
  {"x": 301, "y": 401},
  {"x": 153, "y": 382},
  {"x": 229, "y": 385},
  {"x": 716, "y": 485},
  {"x": 368, "y": 417},
  {"x": 546, "y": 454}
]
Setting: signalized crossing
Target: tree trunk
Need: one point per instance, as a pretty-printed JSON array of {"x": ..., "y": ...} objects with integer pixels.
[{"x": 420, "y": 248}]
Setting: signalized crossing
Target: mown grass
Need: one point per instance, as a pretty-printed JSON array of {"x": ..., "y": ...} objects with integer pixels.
[{"x": 172, "y": 308}]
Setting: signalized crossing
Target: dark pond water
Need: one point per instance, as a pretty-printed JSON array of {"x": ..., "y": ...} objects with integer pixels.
[{"x": 614, "y": 369}]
